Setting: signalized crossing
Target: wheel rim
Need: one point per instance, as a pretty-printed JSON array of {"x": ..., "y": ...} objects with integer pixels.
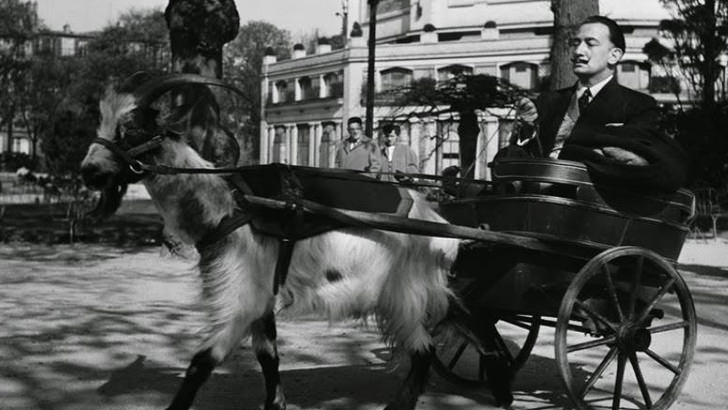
[
  {"x": 460, "y": 357},
  {"x": 633, "y": 305}
]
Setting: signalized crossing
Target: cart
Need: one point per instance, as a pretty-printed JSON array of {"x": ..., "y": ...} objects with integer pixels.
[
  {"x": 608, "y": 284},
  {"x": 541, "y": 246}
]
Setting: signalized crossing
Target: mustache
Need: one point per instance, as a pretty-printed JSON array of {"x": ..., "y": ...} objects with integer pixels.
[{"x": 109, "y": 202}]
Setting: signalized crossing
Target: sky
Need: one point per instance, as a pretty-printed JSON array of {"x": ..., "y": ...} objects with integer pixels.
[{"x": 300, "y": 16}]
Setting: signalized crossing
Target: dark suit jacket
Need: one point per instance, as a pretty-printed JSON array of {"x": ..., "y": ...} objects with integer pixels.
[
  {"x": 628, "y": 112},
  {"x": 618, "y": 116}
]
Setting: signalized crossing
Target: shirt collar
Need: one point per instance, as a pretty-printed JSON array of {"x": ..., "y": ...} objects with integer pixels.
[{"x": 594, "y": 89}]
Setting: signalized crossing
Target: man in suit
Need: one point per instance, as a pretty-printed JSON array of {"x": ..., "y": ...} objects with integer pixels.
[
  {"x": 395, "y": 155},
  {"x": 597, "y": 121},
  {"x": 355, "y": 152}
]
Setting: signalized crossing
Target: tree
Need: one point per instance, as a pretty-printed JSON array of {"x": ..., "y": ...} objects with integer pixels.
[
  {"x": 18, "y": 24},
  {"x": 464, "y": 95},
  {"x": 133, "y": 44},
  {"x": 698, "y": 33},
  {"x": 243, "y": 63},
  {"x": 567, "y": 15},
  {"x": 46, "y": 79}
]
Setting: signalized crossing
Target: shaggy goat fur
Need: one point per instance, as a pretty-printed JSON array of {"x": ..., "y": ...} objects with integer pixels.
[{"x": 350, "y": 272}]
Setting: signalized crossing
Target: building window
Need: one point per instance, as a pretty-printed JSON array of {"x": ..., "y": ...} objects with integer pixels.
[
  {"x": 521, "y": 74},
  {"x": 393, "y": 78},
  {"x": 279, "y": 145},
  {"x": 304, "y": 139},
  {"x": 450, "y": 148},
  {"x": 333, "y": 85},
  {"x": 452, "y": 71},
  {"x": 306, "y": 88},
  {"x": 328, "y": 145},
  {"x": 634, "y": 75},
  {"x": 280, "y": 92}
]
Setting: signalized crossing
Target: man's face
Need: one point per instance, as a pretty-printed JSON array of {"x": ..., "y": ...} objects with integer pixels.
[
  {"x": 354, "y": 131},
  {"x": 593, "y": 54},
  {"x": 390, "y": 138}
]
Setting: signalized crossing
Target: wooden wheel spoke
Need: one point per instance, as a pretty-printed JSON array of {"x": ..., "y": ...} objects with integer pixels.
[
  {"x": 591, "y": 344},
  {"x": 456, "y": 357},
  {"x": 659, "y": 359},
  {"x": 656, "y": 299},
  {"x": 608, "y": 359},
  {"x": 613, "y": 292},
  {"x": 481, "y": 368},
  {"x": 517, "y": 322},
  {"x": 502, "y": 347},
  {"x": 621, "y": 361},
  {"x": 640, "y": 379},
  {"x": 635, "y": 284},
  {"x": 668, "y": 327},
  {"x": 593, "y": 314}
]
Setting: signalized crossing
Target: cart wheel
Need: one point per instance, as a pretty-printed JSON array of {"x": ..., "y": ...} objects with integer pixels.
[
  {"x": 460, "y": 355},
  {"x": 631, "y": 309}
]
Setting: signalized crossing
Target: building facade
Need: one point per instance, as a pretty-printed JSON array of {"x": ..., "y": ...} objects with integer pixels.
[{"x": 308, "y": 98}]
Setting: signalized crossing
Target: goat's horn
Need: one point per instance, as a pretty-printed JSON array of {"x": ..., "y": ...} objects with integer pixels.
[{"x": 149, "y": 91}]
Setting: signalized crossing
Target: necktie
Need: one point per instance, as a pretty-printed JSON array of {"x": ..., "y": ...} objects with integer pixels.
[{"x": 584, "y": 100}]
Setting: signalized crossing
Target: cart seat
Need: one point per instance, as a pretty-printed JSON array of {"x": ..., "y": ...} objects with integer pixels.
[{"x": 556, "y": 200}]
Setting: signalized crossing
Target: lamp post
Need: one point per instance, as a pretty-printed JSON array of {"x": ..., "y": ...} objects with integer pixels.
[{"x": 369, "y": 129}]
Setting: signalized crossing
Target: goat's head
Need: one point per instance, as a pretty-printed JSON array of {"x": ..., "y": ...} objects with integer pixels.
[{"x": 129, "y": 122}]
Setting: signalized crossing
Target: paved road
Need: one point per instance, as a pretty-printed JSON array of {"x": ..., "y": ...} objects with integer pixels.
[{"x": 95, "y": 327}]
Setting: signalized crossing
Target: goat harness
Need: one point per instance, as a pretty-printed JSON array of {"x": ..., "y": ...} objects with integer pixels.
[{"x": 287, "y": 202}]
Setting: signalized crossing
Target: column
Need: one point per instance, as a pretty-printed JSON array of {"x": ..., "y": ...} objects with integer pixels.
[
  {"x": 293, "y": 158},
  {"x": 415, "y": 141},
  {"x": 490, "y": 141},
  {"x": 263, "y": 143},
  {"x": 338, "y": 136},
  {"x": 322, "y": 87},
  {"x": 296, "y": 90},
  {"x": 271, "y": 143},
  {"x": 314, "y": 143},
  {"x": 286, "y": 145},
  {"x": 429, "y": 143}
]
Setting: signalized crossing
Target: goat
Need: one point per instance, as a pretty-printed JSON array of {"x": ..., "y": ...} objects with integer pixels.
[{"x": 348, "y": 272}]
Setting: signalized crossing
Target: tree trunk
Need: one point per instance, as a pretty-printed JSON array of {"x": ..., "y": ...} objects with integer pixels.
[
  {"x": 711, "y": 52},
  {"x": 567, "y": 15},
  {"x": 468, "y": 130},
  {"x": 198, "y": 29}
]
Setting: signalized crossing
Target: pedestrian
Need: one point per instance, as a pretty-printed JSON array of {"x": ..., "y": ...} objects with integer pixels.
[
  {"x": 355, "y": 152},
  {"x": 395, "y": 156}
]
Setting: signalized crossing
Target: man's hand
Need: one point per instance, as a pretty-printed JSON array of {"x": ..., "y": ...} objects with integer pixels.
[
  {"x": 622, "y": 155},
  {"x": 526, "y": 110}
]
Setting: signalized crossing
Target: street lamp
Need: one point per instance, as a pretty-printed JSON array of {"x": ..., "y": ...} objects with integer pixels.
[{"x": 370, "y": 68}]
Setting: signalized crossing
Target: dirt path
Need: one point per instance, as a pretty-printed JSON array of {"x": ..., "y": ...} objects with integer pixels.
[{"x": 97, "y": 328}]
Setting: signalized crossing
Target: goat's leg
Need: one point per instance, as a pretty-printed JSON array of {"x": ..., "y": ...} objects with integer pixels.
[
  {"x": 205, "y": 361},
  {"x": 198, "y": 372},
  {"x": 264, "y": 345},
  {"x": 414, "y": 383}
]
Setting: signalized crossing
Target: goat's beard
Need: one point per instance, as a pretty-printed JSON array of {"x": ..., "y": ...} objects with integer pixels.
[{"x": 110, "y": 200}]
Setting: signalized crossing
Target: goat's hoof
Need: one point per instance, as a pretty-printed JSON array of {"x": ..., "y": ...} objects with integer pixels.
[{"x": 275, "y": 406}]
